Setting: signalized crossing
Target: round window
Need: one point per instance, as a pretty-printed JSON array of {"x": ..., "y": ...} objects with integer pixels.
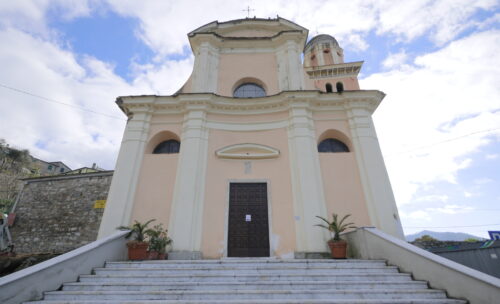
[{"x": 249, "y": 90}]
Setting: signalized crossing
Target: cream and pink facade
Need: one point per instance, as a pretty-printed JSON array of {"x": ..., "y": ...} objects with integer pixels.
[{"x": 311, "y": 95}]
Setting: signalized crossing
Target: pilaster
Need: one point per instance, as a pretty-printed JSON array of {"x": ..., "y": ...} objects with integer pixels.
[
  {"x": 378, "y": 193},
  {"x": 320, "y": 56},
  {"x": 205, "y": 69},
  {"x": 121, "y": 194},
  {"x": 295, "y": 71},
  {"x": 281, "y": 58},
  {"x": 186, "y": 217},
  {"x": 307, "y": 183}
]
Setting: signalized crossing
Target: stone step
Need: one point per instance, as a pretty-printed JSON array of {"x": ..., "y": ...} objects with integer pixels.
[
  {"x": 230, "y": 285},
  {"x": 239, "y": 277},
  {"x": 246, "y": 295},
  {"x": 335, "y": 301},
  {"x": 252, "y": 271},
  {"x": 249, "y": 264},
  {"x": 255, "y": 260}
]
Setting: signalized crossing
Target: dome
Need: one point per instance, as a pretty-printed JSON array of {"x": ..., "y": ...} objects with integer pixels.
[{"x": 323, "y": 38}]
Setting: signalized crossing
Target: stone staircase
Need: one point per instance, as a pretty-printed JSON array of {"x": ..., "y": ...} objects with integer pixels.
[{"x": 248, "y": 281}]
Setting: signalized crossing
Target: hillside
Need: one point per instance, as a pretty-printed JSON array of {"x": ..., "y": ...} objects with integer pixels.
[{"x": 442, "y": 236}]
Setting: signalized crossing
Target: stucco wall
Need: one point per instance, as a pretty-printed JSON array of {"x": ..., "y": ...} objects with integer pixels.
[
  {"x": 155, "y": 188},
  {"x": 235, "y": 67},
  {"x": 154, "y": 194},
  {"x": 275, "y": 172},
  {"x": 342, "y": 184},
  {"x": 350, "y": 83},
  {"x": 261, "y": 118},
  {"x": 343, "y": 191},
  {"x": 57, "y": 214},
  {"x": 340, "y": 172}
]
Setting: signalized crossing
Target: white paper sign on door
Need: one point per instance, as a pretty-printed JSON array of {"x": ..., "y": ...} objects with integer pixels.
[{"x": 248, "y": 218}]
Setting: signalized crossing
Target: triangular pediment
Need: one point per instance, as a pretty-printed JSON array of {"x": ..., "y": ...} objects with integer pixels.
[{"x": 247, "y": 151}]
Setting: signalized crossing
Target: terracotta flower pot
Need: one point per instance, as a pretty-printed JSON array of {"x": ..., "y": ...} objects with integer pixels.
[
  {"x": 338, "y": 249},
  {"x": 152, "y": 255},
  {"x": 155, "y": 255},
  {"x": 137, "y": 250}
]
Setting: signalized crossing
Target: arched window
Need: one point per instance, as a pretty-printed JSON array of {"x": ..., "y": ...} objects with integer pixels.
[
  {"x": 249, "y": 90},
  {"x": 329, "y": 88},
  {"x": 332, "y": 145},
  {"x": 340, "y": 87},
  {"x": 167, "y": 147}
]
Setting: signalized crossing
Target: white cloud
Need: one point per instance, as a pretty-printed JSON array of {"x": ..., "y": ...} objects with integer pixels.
[
  {"x": 165, "y": 78},
  {"x": 433, "y": 198},
  {"x": 395, "y": 61},
  {"x": 451, "y": 209},
  {"x": 415, "y": 215},
  {"x": 354, "y": 42},
  {"x": 482, "y": 181},
  {"x": 441, "y": 90},
  {"x": 489, "y": 21},
  {"x": 57, "y": 132},
  {"x": 468, "y": 194},
  {"x": 164, "y": 24},
  {"x": 31, "y": 16},
  {"x": 427, "y": 90},
  {"x": 442, "y": 20},
  {"x": 492, "y": 156}
]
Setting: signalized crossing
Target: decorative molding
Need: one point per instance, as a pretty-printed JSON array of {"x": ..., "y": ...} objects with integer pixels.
[
  {"x": 314, "y": 100},
  {"x": 247, "y": 151},
  {"x": 251, "y": 126},
  {"x": 335, "y": 70}
]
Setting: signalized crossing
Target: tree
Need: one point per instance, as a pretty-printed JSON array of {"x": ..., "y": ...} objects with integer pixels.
[
  {"x": 471, "y": 240},
  {"x": 426, "y": 238},
  {"x": 14, "y": 165}
]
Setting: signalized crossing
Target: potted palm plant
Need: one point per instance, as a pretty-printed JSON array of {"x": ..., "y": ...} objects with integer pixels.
[
  {"x": 338, "y": 247},
  {"x": 137, "y": 246},
  {"x": 158, "y": 241}
]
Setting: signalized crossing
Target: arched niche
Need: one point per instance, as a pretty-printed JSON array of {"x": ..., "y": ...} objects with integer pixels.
[
  {"x": 340, "y": 87},
  {"x": 159, "y": 138},
  {"x": 338, "y": 135},
  {"x": 329, "y": 88}
]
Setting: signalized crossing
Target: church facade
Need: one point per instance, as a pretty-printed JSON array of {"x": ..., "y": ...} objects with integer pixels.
[{"x": 267, "y": 133}]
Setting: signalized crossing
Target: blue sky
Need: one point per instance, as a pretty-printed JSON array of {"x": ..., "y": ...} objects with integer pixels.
[
  {"x": 107, "y": 37},
  {"x": 437, "y": 61}
]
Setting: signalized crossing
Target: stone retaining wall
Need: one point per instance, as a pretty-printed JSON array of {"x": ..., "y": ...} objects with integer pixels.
[{"x": 57, "y": 214}]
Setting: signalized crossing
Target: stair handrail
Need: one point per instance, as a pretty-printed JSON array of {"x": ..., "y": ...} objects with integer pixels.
[
  {"x": 458, "y": 280},
  {"x": 29, "y": 284}
]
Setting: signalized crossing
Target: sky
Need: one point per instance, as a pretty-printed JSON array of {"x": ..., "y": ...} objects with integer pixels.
[{"x": 64, "y": 62}]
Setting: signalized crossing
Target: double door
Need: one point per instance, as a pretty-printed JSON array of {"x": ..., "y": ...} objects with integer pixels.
[{"x": 248, "y": 229}]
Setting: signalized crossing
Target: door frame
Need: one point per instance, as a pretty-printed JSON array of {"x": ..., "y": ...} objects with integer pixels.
[{"x": 269, "y": 212}]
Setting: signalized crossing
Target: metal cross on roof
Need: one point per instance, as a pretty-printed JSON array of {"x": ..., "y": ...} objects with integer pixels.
[{"x": 248, "y": 11}]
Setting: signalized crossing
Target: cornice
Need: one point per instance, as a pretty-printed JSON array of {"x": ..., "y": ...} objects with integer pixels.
[
  {"x": 284, "y": 101},
  {"x": 334, "y": 70},
  {"x": 247, "y": 22},
  {"x": 227, "y": 42}
]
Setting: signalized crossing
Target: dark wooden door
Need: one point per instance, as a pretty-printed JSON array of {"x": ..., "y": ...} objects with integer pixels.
[{"x": 248, "y": 234}]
